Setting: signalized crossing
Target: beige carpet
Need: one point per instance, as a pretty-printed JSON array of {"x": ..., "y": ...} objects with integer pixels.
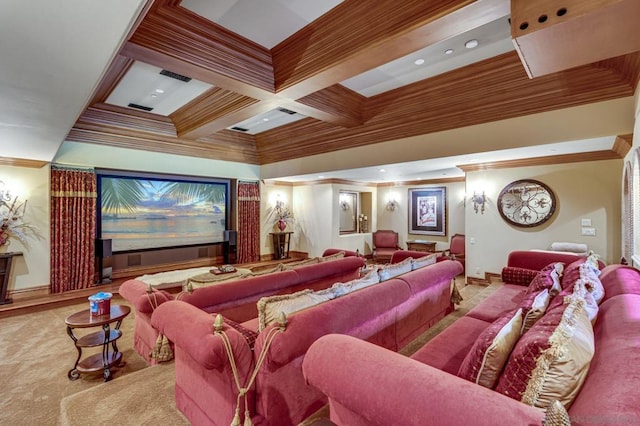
[
  {"x": 36, "y": 353},
  {"x": 141, "y": 398}
]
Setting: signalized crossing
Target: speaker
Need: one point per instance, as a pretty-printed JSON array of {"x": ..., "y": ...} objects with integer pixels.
[
  {"x": 103, "y": 247},
  {"x": 230, "y": 237},
  {"x": 103, "y": 251}
]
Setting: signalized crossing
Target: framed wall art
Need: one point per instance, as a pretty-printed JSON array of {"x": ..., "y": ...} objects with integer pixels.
[
  {"x": 428, "y": 211},
  {"x": 526, "y": 203}
]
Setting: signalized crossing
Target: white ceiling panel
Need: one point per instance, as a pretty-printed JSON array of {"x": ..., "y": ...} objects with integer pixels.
[
  {"x": 266, "y": 22},
  {"x": 144, "y": 85},
  {"x": 267, "y": 121},
  {"x": 494, "y": 39}
]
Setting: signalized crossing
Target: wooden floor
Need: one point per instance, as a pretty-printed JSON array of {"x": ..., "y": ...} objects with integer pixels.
[{"x": 34, "y": 304}]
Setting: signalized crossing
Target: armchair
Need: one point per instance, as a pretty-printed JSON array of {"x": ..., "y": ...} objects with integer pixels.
[
  {"x": 385, "y": 242},
  {"x": 456, "y": 249}
]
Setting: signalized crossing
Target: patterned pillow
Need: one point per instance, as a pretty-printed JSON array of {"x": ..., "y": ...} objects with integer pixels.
[
  {"x": 293, "y": 265},
  {"x": 548, "y": 277},
  {"x": 420, "y": 262},
  {"x": 519, "y": 276},
  {"x": 486, "y": 359},
  {"x": 371, "y": 278},
  {"x": 552, "y": 359},
  {"x": 389, "y": 271},
  {"x": 249, "y": 335},
  {"x": 270, "y": 307},
  {"x": 338, "y": 255},
  {"x": 533, "y": 307}
]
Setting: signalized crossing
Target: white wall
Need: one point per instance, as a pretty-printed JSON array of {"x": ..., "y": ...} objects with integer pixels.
[
  {"x": 33, "y": 268},
  {"x": 587, "y": 190},
  {"x": 398, "y": 219}
]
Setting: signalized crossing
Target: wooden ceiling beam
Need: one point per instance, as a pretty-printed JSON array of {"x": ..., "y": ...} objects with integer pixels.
[
  {"x": 215, "y": 110},
  {"x": 354, "y": 37}
]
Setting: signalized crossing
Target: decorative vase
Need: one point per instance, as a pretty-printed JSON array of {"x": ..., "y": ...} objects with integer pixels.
[{"x": 282, "y": 225}]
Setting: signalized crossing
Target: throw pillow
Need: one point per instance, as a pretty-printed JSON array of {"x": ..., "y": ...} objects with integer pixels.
[
  {"x": 293, "y": 265},
  {"x": 423, "y": 261},
  {"x": 519, "y": 276},
  {"x": 270, "y": 307},
  {"x": 371, "y": 278},
  {"x": 389, "y": 271},
  {"x": 279, "y": 267},
  {"x": 548, "y": 277},
  {"x": 338, "y": 255},
  {"x": 486, "y": 359},
  {"x": 534, "y": 306},
  {"x": 552, "y": 359},
  {"x": 249, "y": 335}
]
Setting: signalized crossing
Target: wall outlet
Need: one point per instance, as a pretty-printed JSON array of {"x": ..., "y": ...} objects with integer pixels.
[
  {"x": 477, "y": 271},
  {"x": 589, "y": 232},
  {"x": 472, "y": 240}
]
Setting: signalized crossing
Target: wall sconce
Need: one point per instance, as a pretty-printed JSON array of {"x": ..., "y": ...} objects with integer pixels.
[
  {"x": 391, "y": 205},
  {"x": 478, "y": 202}
]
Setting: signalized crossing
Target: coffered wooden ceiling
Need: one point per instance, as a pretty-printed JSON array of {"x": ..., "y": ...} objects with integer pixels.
[{"x": 303, "y": 73}]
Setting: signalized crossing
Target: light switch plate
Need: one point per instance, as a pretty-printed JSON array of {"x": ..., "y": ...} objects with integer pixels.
[
  {"x": 589, "y": 232},
  {"x": 585, "y": 222}
]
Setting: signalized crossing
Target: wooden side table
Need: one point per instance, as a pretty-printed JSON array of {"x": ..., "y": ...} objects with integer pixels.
[
  {"x": 5, "y": 274},
  {"x": 281, "y": 243},
  {"x": 422, "y": 245},
  {"x": 107, "y": 337}
]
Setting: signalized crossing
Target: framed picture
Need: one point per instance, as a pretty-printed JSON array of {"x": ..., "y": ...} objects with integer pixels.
[{"x": 428, "y": 211}]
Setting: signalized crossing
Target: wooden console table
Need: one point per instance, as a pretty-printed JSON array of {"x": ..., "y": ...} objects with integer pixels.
[
  {"x": 5, "y": 275},
  {"x": 422, "y": 245},
  {"x": 281, "y": 243}
]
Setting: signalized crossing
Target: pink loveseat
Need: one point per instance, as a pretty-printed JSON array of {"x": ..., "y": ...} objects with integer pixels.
[
  {"x": 368, "y": 385},
  {"x": 233, "y": 299},
  {"x": 389, "y": 314}
]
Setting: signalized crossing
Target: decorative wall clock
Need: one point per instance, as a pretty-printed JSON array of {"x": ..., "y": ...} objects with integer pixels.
[{"x": 526, "y": 203}]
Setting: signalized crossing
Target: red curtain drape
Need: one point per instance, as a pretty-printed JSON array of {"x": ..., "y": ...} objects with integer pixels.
[
  {"x": 73, "y": 229},
  {"x": 248, "y": 222}
]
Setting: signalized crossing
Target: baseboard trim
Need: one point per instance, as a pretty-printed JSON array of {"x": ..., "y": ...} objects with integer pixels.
[
  {"x": 489, "y": 277},
  {"x": 29, "y": 293}
]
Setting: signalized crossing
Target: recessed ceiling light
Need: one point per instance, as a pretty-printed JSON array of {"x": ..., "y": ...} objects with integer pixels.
[
  {"x": 159, "y": 91},
  {"x": 153, "y": 95},
  {"x": 471, "y": 44},
  {"x": 448, "y": 51},
  {"x": 265, "y": 119},
  {"x": 419, "y": 61},
  {"x": 382, "y": 170},
  {"x": 321, "y": 177}
]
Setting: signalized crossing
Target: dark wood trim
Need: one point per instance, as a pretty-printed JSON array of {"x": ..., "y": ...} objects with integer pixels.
[{"x": 21, "y": 162}]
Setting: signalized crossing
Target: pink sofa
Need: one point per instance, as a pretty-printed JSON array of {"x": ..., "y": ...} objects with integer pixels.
[
  {"x": 234, "y": 299},
  {"x": 368, "y": 385},
  {"x": 389, "y": 314}
]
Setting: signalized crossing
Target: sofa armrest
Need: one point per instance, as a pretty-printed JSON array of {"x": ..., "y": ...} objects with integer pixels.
[
  {"x": 362, "y": 379},
  {"x": 136, "y": 292},
  {"x": 191, "y": 330}
]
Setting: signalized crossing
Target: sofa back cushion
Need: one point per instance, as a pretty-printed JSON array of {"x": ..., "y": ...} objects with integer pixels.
[
  {"x": 488, "y": 355},
  {"x": 551, "y": 360}
]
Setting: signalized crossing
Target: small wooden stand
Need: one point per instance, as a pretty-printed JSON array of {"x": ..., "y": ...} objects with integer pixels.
[
  {"x": 281, "y": 244},
  {"x": 5, "y": 275}
]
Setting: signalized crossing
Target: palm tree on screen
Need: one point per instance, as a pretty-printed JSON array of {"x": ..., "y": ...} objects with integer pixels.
[{"x": 121, "y": 195}]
